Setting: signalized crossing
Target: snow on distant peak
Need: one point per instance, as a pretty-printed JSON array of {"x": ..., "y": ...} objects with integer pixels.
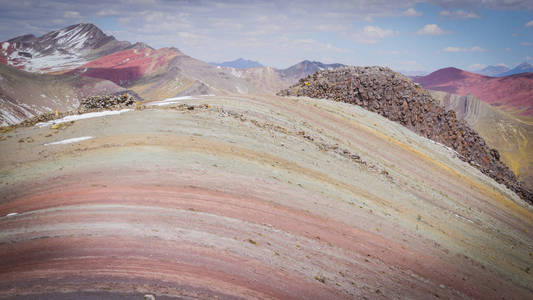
[
  {"x": 55, "y": 51},
  {"x": 45, "y": 63}
]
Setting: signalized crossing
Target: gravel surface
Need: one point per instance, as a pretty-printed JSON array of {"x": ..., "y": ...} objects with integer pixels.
[{"x": 257, "y": 198}]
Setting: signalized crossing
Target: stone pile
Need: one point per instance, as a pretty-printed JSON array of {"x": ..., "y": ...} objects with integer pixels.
[
  {"x": 107, "y": 102},
  {"x": 397, "y": 98}
]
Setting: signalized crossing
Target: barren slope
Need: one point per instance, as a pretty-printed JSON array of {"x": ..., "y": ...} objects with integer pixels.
[
  {"x": 163, "y": 73},
  {"x": 24, "y": 95},
  {"x": 503, "y": 131},
  {"x": 254, "y": 197},
  {"x": 397, "y": 98}
]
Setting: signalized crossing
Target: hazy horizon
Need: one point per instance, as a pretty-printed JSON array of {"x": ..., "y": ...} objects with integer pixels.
[{"x": 404, "y": 35}]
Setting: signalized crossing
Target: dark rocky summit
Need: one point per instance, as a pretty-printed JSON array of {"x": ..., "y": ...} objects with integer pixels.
[{"x": 397, "y": 98}]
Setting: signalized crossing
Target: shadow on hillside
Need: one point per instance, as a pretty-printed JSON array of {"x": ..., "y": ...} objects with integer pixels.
[{"x": 121, "y": 76}]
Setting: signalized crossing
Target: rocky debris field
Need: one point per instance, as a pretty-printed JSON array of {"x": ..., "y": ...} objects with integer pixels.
[
  {"x": 396, "y": 97},
  {"x": 114, "y": 101}
]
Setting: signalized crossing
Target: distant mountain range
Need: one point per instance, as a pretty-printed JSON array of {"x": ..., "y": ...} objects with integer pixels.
[
  {"x": 521, "y": 68},
  {"x": 494, "y": 71},
  {"x": 92, "y": 62},
  {"x": 502, "y": 70},
  {"x": 512, "y": 93},
  {"x": 307, "y": 67},
  {"x": 83, "y": 50},
  {"x": 239, "y": 63}
]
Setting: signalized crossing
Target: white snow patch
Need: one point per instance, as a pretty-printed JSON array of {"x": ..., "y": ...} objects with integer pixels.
[
  {"x": 83, "y": 116},
  {"x": 5, "y": 45},
  {"x": 43, "y": 95},
  {"x": 241, "y": 91},
  {"x": 12, "y": 214},
  {"x": 69, "y": 141},
  {"x": 13, "y": 113},
  {"x": 174, "y": 100},
  {"x": 236, "y": 73},
  {"x": 8, "y": 118},
  {"x": 39, "y": 62}
]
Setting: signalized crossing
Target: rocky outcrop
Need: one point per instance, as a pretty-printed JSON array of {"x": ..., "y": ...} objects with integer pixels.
[
  {"x": 397, "y": 98},
  {"x": 107, "y": 102}
]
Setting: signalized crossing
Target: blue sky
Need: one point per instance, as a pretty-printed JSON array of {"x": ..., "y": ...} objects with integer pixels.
[{"x": 407, "y": 35}]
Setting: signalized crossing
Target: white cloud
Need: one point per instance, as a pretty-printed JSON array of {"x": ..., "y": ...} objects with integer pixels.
[
  {"x": 304, "y": 41},
  {"x": 372, "y": 34},
  {"x": 457, "y": 49},
  {"x": 515, "y": 34},
  {"x": 398, "y": 52},
  {"x": 330, "y": 27},
  {"x": 107, "y": 12},
  {"x": 529, "y": 24},
  {"x": 476, "y": 67},
  {"x": 313, "y": 45},
  {"x": 431, "y": 29},
  {"x": 411, "y": 12},
  {"x": 529, "y": 58},
  {"x": 477, "y": 49},
  {"x": 262, "y": 30},
  {"x": 71, "y": 14},
  {"x": 459, "y": 14},
  {"x": 226, "y": 24},
  {"x": 507, "y": 49},
  {"x": 453, "y": 49},
  {"x": 410, "y": 65},
  {"x": 527, "y": 44}
]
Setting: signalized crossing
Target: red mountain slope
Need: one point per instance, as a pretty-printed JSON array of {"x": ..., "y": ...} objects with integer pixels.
[
  {"x": 163, "y": 73},
  {"x": 125, "y": 67},
  {"x": 513, "y": 93}
]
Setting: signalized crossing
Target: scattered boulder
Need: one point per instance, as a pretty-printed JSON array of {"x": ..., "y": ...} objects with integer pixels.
[{"x": 396, "y": 97}]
